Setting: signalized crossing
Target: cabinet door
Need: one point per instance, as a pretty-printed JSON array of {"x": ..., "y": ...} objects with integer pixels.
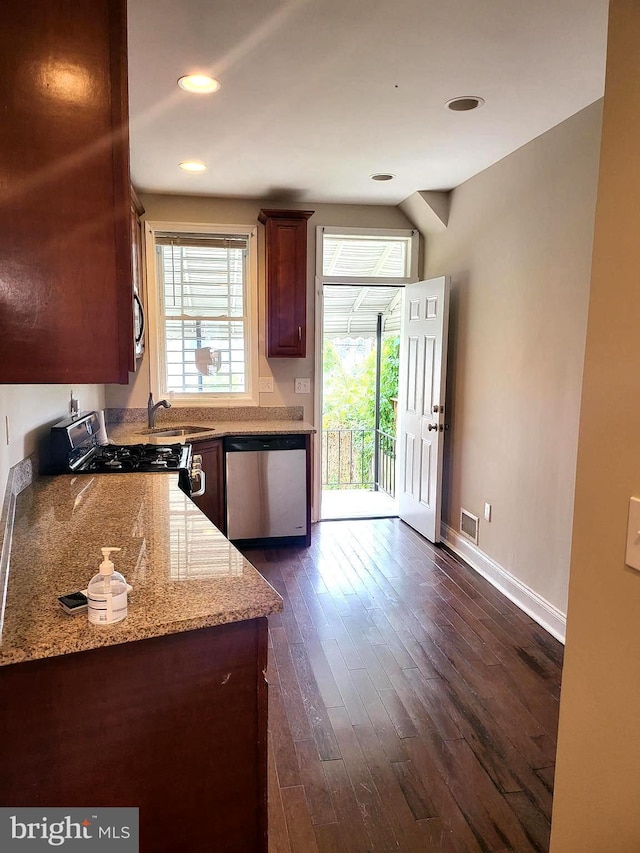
[
  {"x": 65, "y": 254},
  {"x": 286, "y": 275},
  {"x": 189, "y": 747},
  {"x": 212, "y": 502}
]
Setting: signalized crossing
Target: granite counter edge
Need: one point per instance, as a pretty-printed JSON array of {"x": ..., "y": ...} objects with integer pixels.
[{"x": 109, "y": 637}]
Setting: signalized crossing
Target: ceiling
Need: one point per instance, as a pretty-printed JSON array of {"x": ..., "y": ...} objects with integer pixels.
[{"x": 318, "y": 95}]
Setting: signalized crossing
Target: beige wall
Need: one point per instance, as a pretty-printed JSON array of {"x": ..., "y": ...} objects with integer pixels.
[
  {"x": 597, "y": 800},
  {"x": 31, "y": 410},
  {"x": 245, "y": 212},
  {"x": 518, "y": 248}
]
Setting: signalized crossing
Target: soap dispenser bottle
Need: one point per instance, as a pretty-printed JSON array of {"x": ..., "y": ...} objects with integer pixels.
[{"x": 107, "y": 593}]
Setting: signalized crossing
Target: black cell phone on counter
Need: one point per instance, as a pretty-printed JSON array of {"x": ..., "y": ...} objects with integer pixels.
[{"x": 75, "y": 602}]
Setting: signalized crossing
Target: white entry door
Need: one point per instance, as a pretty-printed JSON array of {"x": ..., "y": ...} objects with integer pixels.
[{"x": 423, "y": 360}]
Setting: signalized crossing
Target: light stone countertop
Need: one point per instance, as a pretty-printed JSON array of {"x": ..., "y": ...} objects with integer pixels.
[
  {"x": 132, "y": 433},
  {"x": 185, "y": 573}
]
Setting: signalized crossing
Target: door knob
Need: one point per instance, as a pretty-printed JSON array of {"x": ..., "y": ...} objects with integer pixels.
[{"x": 433, "y": 426}]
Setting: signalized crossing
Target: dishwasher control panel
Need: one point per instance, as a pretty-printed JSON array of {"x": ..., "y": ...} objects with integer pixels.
[{"x": 248, "y": 443}]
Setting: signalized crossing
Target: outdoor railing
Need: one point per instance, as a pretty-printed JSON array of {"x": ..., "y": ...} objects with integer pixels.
[
  {"x": 386, "y": 479},
  {"x": 350, "y": 459}
]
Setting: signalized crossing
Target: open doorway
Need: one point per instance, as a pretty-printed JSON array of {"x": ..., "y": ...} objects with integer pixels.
[{"x": 360, "y": 361}]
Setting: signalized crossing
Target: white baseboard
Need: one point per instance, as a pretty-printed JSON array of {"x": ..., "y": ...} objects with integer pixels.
[{"x": 534, "y": 605}]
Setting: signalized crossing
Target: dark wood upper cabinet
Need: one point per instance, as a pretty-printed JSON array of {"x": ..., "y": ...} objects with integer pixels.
[
  {"x": 65, "y": 253},
  {"x": 286, "y": 276}
]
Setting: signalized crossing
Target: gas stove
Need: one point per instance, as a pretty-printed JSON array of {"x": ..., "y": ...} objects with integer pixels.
[
  {"x": 75, "y": 449},
  {"x": 145, "y": 458}
]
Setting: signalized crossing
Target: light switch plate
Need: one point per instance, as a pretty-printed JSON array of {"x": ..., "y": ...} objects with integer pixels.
[
  {"x": 487, "y": 512},
  {"x": 303, "y": 386},
  {"x": 632, "y": 557},
  {"x": 265, "y": 384}
]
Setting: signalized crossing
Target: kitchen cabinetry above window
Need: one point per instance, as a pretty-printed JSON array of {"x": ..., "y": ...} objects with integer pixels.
[
  {"x": 65, "y": 255},
  {"x": 286, "y": 273}
]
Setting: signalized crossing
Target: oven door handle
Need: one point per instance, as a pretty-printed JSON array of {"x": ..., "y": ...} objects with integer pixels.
[{"x": 199, "y": 473}]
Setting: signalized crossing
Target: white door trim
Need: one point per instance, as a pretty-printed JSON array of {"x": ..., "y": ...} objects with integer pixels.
[{"x": 316, "y": 492}]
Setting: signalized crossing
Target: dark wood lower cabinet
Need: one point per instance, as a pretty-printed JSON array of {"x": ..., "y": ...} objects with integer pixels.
[
  {"x": 212, "y": 502},
  {"x": 174, "y": 725}
]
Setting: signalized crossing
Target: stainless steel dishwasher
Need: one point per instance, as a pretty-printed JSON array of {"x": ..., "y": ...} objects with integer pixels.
[{"x": 267, "y": 489}]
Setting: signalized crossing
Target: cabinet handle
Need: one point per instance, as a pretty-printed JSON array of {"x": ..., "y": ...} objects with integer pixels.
[{"x": 299, "y": 333}]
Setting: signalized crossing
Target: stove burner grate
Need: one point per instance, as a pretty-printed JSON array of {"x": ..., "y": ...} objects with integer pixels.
[{"x": 137, "y": 457}]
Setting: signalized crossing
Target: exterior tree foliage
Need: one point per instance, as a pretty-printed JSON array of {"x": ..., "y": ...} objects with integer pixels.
[{"x": 349, "y": 404}]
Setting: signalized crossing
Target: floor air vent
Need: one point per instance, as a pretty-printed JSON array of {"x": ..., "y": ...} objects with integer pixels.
[{"x": 469, "y": 525}]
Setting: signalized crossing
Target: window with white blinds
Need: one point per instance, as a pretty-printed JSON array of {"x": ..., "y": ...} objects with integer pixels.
[{"x": 204, "y": 314}]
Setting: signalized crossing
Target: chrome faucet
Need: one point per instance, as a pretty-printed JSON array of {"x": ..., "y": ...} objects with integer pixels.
[{"x": 152, "y": 410}]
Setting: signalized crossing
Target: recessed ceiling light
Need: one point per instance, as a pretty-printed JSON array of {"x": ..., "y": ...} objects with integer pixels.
[
  {"x": 464, "y": 103},
  {"x": 193, "y": 166},
  {"x": 382, "y": 176},
  {"x": 201, "y": 84}
]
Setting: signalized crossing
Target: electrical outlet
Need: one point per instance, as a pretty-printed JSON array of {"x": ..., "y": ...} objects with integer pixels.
[
  {"x": 265, "y": 384},
  {"x": 487, "y": 512},
  {"x": 303, "y": 386}
]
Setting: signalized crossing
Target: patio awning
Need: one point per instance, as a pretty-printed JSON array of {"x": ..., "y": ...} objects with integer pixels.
[{"x": 352, "y": 311}]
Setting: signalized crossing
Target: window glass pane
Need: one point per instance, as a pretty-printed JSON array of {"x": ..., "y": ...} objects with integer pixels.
[
  {"x": 204, "y": 356},
  {"x": 365, "y": 257},
  {"x": 203, "y": 281}
]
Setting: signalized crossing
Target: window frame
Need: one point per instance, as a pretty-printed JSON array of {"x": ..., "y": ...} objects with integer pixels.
[
  {"x": 398, "y": 233},
  {"x": 155, "y": 318}
]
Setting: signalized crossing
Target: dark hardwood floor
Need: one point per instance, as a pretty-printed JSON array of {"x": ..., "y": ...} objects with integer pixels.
[{"x": 412, "y": 706}]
